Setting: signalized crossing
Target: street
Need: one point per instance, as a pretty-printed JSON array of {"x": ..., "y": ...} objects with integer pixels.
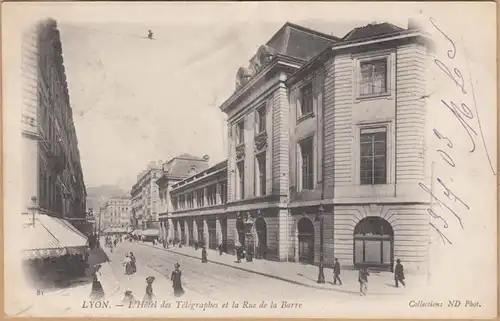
[
  {"x": 212, "y": 281},
  {"x": 207, "y": 287}
]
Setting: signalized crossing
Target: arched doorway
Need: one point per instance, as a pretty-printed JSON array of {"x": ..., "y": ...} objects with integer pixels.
[
  {"x": 374, "y": 243},
  {"x": 261, "y": 229},
  {"x": 306, "y": 240}
]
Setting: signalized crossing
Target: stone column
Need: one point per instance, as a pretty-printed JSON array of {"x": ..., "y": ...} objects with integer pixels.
[
  {"x": 186, "y": 231},
  {"x": 283, "y": 237},
  {"x": 161, "y": 229},
  {"x": 205, "y": 232},
  {"x": 170, "y": 229},
  {"x": 218, "y": 230},
  {"x": 296, "y": 243},
  {"x": 218, "y": 197},
  {"x": 205, "y": 198},
  {"x": 195, "y": 230}
]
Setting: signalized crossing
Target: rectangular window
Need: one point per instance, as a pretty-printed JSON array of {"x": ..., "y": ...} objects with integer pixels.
[
  {"x": 223, "y": 193},
  {"x": 373, "y": 77},
  {"x": 373, "y": 152},
  {"x": 212, "y": 195},
  {"x": 260, "y": 177},
  {"x": 241, "y": 179},
  {"x": 307, "y": 163},
  {"x": 240, "y": 132},
  {"x": 260, "y": 119},
  {"x": 200, "y": 198},
  {"x": 306, "y": 99}
]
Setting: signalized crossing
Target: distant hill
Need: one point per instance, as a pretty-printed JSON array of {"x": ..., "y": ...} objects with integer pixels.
[{"x": 98, "y": 195}]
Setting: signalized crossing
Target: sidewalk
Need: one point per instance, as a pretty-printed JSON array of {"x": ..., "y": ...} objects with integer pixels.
[
  {"x": 380, "y": 283},
  {"x": 162, "y": 287}
]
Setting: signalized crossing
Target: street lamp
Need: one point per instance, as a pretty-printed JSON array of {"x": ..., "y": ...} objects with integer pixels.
[
  {"x": 320, "y": 218},
  {"x": 33, "y": 208}
]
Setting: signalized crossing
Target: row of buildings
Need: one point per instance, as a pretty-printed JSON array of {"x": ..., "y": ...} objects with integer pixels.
[
  {"x": 326, "y": 149},
  {"x": 55, "y": 219}
]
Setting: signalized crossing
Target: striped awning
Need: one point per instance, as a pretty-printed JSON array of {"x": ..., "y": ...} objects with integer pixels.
[{"x": 52, "y": 237}]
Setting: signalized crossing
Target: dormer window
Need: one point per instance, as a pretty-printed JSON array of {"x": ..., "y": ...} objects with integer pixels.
[{"x": 192, "y": 170}]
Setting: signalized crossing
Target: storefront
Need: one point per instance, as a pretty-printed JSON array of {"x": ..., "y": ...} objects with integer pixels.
[
  {"x": 374, "y": 243},
  {"x": 55, "y": 252},
  {"x": 212, "y": 233},
  {"x": 306, "y": 240}
]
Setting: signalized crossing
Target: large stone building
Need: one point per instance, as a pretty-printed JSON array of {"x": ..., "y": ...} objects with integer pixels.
[
  {"x": 116, "y": 213},
  {"x": 52, "y": 172},
  {"x": 145, "y": 197},
  {"x": 202, "y": 196},
  {"x": 175, "y": 170},
  {"x": 325, "y": 153}
]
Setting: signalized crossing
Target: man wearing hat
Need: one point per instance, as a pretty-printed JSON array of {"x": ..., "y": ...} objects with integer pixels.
[{"x": 399, "y": 274}]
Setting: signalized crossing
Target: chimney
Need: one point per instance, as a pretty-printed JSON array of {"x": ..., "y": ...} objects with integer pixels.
[{"x": 413, "y": 24}]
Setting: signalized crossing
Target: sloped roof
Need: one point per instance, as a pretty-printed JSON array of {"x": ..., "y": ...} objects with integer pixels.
[
  {"x": 371, "y": 30},
  {"x": 299, "y": 42},
  {"x": 179, "y": 166},
  {"x": 188, "y": 156}
]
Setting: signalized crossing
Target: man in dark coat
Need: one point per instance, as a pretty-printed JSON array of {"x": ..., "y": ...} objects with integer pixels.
[
  {"x": 336, "y": 272},
  {"x": 399, "y": 274},
  {"x": 204, "y": 255}
]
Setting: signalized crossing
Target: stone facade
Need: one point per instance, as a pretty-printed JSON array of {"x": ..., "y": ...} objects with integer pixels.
[
  {"x": 116, "y": 212},
  {"x": 173, "y": 171},
  {"x": 145, "y": 199},
  {"x": 51, "y": 159},
  {"x": 333, "y": 137}
]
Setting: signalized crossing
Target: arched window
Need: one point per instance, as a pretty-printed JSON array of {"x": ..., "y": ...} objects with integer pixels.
[
  {"x": 374, "y": 243},
  {"x": 306, "y": 240}
]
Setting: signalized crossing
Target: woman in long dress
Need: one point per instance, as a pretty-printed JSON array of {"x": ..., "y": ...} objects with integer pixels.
[
  {"x": 133, "y": 266},
  {"x": 149, "y": 296},
  {"x": 127, "y": 264},
  {"x": 97, "y": 292},
  {"x": 176, "y": 281}
]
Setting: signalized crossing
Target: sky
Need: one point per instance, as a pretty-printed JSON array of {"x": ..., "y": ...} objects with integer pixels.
[{"x": 137, "y": 100}]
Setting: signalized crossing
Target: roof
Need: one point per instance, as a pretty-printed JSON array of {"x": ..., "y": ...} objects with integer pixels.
[
  {"x": 371, "y": 33},
  {"x": 210, "y": 170},
  {"x": 299, "y": 42},
  {"x": 371, "y": 30}
]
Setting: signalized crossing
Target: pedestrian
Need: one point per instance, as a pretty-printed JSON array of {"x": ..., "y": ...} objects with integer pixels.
[
  {"x": 363, "y": 280},
  {"x": 133, "y": 264},
  {"x": 176, "y": 280},
  {"x": 204, "y": 255},
  {"x": 196, "y": 246},
  {"x": 97, "y": 292},
  {"x": 127, "y": 264},
  {"x": 149, "y": 296},
  {"x": 399, "y": 274},
  {"x": 221, "y": 249},
  {"x": 128, "y": 298},
  {"x": 336, "y": 272},
  {"x": 238, "y": 254}
]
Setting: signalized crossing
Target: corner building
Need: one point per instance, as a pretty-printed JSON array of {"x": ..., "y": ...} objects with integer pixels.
[
  {"x": 357, "y": 126},
  {"x": 319, "y": 122}
]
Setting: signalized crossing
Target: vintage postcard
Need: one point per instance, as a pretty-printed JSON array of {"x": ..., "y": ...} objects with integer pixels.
[{"x": 326, "y": 159}]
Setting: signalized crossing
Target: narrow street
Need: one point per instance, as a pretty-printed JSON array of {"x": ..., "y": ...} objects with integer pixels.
[{"x": 212, "y": 281}]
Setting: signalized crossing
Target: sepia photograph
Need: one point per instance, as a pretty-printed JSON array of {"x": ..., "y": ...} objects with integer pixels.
[{"x": 224, "y": 159}]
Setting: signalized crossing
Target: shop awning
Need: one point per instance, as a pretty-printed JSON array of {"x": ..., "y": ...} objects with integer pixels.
[
  {"x": 151, "y": 232},
  {"x": 115, "y": 230},
  {"x": 51, "y": 237}
]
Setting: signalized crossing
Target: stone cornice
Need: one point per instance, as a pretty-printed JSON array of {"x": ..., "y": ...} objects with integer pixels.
[{"x": 278, "y": 62}]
